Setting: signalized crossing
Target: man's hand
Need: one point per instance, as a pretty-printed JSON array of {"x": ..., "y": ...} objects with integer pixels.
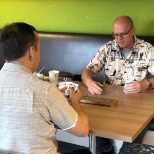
[
  {"x": 62, "y": 90},
  {"x": 136, "y": 87},
  {"x": 75, "y": 96},
  {"x": 95, "y": 87}
]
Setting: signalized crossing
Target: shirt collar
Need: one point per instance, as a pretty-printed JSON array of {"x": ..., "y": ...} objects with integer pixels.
[{"x": 15, "y": 68}]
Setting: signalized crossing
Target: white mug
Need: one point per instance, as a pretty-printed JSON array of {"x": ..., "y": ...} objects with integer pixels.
[{"x": 54, "y": 76}]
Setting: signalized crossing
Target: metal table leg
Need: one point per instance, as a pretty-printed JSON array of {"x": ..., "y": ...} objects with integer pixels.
[{"x": 92, "y": 143}]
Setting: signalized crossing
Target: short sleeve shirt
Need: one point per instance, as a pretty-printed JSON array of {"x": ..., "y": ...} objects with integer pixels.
[
  {"x": 31, "y": 109},
  {"x": 139, "y": 64}
]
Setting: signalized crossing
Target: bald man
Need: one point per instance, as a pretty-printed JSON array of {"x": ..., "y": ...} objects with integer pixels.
[{"x": 126, "y": 59}]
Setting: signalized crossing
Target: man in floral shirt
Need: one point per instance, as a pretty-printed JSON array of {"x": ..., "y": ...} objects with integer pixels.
[{"x": 126, "y": 59}]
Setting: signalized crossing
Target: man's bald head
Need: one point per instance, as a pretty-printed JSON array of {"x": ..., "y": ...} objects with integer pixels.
[
  {"x": 124, "y": 31},
  {"x": 124, "y": 20}
]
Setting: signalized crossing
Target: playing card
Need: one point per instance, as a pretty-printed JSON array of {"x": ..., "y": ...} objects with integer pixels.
[
  {"x": 62, "y": 85},
  {"x": 68, "y": 85},
  {"x": 73, "y": 85}
]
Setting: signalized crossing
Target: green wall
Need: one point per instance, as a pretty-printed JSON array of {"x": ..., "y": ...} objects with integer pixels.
[{"x": 80, "y": 16}]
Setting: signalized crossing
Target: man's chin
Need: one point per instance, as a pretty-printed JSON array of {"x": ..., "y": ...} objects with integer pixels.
[{"x": 121, "y": 45}]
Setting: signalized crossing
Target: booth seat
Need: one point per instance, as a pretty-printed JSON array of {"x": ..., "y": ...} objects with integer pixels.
[{"x": 70, "y": 52}]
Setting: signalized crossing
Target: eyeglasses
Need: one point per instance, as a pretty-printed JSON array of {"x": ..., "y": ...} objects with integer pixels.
[{"x": 122, "y": 35}]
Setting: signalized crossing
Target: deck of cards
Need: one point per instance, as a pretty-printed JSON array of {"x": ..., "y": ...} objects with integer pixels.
[{"x": 68, "y": 85}]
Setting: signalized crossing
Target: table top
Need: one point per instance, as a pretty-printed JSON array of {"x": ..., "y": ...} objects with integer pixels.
[{"x": 124, "y": 121}]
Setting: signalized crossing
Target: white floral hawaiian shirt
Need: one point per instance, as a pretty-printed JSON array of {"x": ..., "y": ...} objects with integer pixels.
[{"x": 138, "y": 65}]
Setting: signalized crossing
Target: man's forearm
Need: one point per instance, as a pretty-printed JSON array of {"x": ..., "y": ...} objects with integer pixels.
[
  {"x": 83, "y": 120},
  {"x": 87, "y": 76}
]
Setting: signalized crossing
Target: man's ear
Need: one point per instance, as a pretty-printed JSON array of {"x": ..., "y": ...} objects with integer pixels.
[
  {"x": 134, "y": 30},
  {"x": 31, "y": 53}
]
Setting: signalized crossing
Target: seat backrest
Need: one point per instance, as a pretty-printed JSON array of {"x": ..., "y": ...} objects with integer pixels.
[{"x": 70, "y": 52}]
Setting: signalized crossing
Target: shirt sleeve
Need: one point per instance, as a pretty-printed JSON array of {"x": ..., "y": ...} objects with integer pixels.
[
  {"x": 96, "y": 64},
  {"x": 151, "y": 61},
  {"x": 61, "y": 112}
]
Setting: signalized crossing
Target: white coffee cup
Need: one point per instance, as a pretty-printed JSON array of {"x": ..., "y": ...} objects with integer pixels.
[{"x": 54, "y": 76}]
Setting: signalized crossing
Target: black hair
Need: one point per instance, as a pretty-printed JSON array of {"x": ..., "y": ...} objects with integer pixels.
[{"x": 15, "y": 39}]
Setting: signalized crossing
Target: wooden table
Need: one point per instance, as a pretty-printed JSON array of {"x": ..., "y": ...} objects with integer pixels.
[{"x": 124, "y": 121}]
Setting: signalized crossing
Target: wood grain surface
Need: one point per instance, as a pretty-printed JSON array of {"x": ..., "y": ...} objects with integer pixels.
[{"x": 125, "y": 120}]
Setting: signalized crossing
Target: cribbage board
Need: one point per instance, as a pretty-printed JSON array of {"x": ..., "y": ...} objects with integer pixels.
[{"x": 99, "y": 101}]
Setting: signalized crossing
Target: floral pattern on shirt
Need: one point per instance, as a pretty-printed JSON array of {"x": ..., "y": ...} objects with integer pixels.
[{"x": 138, "y": 65}]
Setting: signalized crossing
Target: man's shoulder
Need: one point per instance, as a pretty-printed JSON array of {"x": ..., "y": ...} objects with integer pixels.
[
  {"x": 112, "y": 42},
  {"x": 39, "y": 85},
  {"x": 141, "y": 45},
  {"x": 110, "y": 45},
  {"x": 142, "y": 42}
]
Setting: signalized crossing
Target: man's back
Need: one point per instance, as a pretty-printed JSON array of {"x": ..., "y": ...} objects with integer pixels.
[
  {"x": 30, "y": 108},
  {"x": 26, "y": 122}
]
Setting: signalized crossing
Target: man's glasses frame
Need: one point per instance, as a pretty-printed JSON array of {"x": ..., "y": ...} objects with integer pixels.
[{"x": 122, "y": 35}]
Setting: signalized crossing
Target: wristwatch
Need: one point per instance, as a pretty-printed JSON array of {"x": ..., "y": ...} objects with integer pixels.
[{"x": 149, "y": 84}]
